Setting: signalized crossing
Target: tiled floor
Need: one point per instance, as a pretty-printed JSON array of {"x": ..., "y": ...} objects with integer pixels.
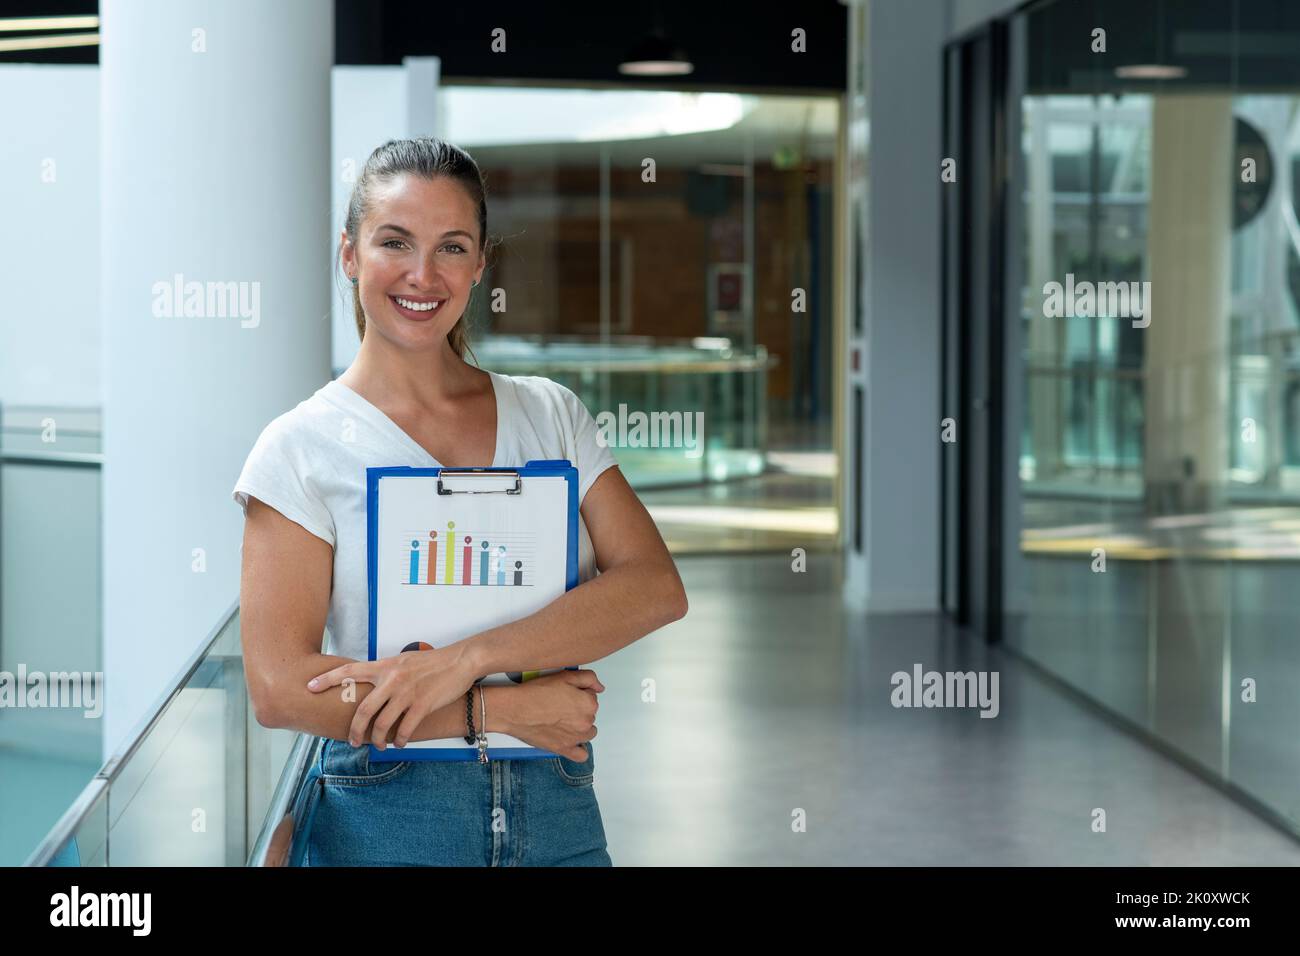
[
  {"x": 791, "y": 505},
  {"x": 769, "y": 700}
]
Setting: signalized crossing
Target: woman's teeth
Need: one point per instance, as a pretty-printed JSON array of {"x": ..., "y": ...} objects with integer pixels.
[{"x": 417, "y": 306}]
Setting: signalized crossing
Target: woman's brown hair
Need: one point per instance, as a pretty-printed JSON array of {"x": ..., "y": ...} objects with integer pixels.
[{"x": 427, "y": 158}]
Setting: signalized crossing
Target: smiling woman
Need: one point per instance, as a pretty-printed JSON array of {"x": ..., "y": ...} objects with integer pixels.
[
  {"x": 414, "y": 247},
  {"x": 408, "y": 182}
]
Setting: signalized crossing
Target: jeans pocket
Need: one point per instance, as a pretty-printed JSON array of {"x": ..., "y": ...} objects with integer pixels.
[
  {"x": 343, "y": 765},
  {"x": 577, "y": 774}
]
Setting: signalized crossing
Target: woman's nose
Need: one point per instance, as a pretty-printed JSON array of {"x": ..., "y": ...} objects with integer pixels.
[{"x": 426, "y": 273}]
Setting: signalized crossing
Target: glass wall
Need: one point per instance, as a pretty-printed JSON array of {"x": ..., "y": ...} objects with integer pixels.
[
  {"x": 1155, "y": 289},
  {"x": 669, "y": 255}
]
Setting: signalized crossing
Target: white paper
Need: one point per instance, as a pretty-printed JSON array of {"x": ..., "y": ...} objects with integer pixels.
[{"x": 526, "y": 538}]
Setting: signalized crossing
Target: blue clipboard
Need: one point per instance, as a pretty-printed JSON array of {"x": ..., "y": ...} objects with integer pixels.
[{"x": 536, "y": 468}]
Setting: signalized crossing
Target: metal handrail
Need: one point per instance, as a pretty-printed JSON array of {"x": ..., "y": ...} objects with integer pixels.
[
  {"x": 76, "y": 459},
  {"x": 710, "y": 366},
  {"x": 301, "y": 756},
  {"x": 1089, "y": 371},
  {"x": 76, "y": 814},
  {"x": 67, "y": 825},
  {"x": 113, "y": 766}
]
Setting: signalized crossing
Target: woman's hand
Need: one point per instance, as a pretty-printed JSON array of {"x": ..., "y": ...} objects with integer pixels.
[
  {"x": 555, "y": 712},
  {"x": 413, "y": 684}
]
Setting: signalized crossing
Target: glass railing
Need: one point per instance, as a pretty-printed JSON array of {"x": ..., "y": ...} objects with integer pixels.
[
  {"x": 50, "y": 523},
  {"x": 701, "y": 403},
  {"x": 198, "y": 783},
  {"x": 1083, "y": 426},
  {"x": 287, "y": 820}
]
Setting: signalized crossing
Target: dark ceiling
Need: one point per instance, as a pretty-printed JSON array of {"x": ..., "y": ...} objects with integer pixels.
[
  {"x": 734, "y": 44},
  {"x": 1223, "y": 45}
]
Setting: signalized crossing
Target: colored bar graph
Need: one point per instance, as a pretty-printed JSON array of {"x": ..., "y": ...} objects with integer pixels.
[
  {"x": 447, "y": 567},
  {"x": 451, "y": 552}
]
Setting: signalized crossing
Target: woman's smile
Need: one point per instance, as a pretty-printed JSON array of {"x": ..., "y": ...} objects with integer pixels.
[{"x": 417, "y": 308}]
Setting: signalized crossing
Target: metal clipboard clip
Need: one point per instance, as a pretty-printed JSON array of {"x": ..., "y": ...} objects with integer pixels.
[{"x": 477, "y": 473}]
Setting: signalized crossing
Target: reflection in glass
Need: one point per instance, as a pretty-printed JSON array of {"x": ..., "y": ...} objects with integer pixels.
[{"x": 1159, "y": 482}]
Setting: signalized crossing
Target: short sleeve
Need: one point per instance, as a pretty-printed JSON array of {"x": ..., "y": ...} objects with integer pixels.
[
  {"x": 591, "y": 455},
  {"x": 276, "y": 473}
]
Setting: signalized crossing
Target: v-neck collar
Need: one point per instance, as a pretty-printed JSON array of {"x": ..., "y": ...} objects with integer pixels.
[{"x": 348, "y": 398}]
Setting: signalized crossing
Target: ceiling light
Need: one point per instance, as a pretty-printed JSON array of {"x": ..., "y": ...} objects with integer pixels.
[
  {"x": 1150, "y": 71},
  {"x": 48, "y": 42},
  {"x": 656, "y": 55},
  {"x": 21, "y": 24}
]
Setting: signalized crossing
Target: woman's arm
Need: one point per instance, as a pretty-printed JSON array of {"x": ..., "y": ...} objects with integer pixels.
[
  {"x": 284, "y": 599},
  {"x": 637, "y": 591}
]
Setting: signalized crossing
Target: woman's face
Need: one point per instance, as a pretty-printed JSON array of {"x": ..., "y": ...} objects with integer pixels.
[{"x": 416, "y": 256}]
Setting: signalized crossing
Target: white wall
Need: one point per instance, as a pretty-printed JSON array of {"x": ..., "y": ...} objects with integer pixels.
[
  {"x": 49, "y": 257},
  {"x": 49, "y": 355},
  {"x": 49, "y": 246},
  {"x": 369, "y": 108}
]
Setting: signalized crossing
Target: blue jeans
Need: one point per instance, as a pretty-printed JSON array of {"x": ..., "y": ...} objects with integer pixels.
[{"x": 540, "y": 812}]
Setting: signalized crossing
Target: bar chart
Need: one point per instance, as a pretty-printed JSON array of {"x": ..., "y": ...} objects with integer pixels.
[{"x": 452, "y": 557}]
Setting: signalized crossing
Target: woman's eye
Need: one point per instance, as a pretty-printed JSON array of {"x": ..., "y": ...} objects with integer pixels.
[{"x": 398, "y": 243}]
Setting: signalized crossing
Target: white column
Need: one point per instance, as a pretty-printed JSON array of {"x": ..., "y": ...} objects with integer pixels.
[
  {"x": 899, "y": 349},
  {"x": 1188, "y": 250},
  {"x": 422, "y": 80},
  {"x": 214, "y": 153}
]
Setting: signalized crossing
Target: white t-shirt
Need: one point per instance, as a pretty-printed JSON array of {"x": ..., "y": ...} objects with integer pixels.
[{"x": 310, "y": 464}]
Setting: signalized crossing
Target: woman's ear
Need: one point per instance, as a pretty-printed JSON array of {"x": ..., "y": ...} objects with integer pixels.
[{"x": 347, "y": 254}]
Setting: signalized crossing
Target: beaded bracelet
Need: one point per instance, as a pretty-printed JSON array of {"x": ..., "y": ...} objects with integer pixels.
[
  {"x": 470, "y": 737},
  {"x": 481, "y": 736}
]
